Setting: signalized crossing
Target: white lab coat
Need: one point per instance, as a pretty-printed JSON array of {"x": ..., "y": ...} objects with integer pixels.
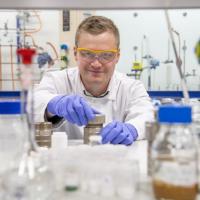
[{"x": 127, "y": 100}]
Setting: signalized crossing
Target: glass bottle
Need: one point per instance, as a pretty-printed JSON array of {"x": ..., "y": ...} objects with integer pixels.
[
  {"x": 195, "y": 103},
  {"x": 13, "y": 133},
  {"x": 13, "y": 138},
  {"x": 22, "y": 175},
  {"x": 174, "y": 155}
]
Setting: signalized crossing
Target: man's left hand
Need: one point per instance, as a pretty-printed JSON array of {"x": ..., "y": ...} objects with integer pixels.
[{"x": 119, "y": 133}]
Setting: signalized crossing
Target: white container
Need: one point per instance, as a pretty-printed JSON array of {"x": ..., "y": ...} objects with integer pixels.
[{"x": 59, "y": 140}]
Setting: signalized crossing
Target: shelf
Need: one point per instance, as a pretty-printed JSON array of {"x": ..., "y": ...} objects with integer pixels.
[
  {"x": 99, "y": 4},
  {"x": 172, "y": 94},
  {"x": 159, "y": 94}
]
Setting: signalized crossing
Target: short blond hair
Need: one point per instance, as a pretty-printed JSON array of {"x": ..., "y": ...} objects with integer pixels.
[{"x": 96, "y": 25}]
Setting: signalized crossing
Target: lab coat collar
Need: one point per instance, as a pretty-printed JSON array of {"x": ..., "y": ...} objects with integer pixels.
[{"x": 111, "y": 88}]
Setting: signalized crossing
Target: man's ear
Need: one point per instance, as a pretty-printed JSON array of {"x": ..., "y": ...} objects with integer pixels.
[
  {"x": 118, "y": 56},
  {"x": 75, "y": 53},
  {"x": 119, "y": 53}
]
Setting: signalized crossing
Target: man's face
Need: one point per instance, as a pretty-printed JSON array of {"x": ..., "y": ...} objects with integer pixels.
[{"x": 96, "y": 67}]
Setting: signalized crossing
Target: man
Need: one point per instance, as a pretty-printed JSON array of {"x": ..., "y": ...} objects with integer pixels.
[{"x": 75, "y": 95}]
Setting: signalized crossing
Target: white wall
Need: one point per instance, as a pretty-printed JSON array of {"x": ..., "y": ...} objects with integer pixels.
[
  {"x": 49, "y": 32},
  {"x": 152, "y": 25}
]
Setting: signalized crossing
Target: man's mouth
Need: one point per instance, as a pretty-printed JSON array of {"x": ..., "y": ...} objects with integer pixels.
[{"x": 95, "y": 72}]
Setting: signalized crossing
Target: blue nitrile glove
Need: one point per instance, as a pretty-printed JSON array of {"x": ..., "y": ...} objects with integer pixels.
[
  {"x": 119, "y": 133},
  {"x": 73, "y": 108}
]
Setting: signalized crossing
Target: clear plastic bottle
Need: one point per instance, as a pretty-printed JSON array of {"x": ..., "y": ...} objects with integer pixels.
[{"x": 174, "y": 155}]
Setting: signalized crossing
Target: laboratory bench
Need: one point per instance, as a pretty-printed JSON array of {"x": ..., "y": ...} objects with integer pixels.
[
  {"x": 136, "y": 152},
  {"x": 143, "y": 191}
]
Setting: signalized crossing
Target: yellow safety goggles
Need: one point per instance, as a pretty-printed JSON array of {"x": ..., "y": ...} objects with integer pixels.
[{"x": 103, "y": 56}]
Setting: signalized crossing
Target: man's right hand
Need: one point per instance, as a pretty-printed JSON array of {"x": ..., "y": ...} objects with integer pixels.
[{"x": 73, "y": 108}]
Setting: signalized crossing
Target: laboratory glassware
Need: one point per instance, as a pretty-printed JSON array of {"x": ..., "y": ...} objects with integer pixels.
[
  {"x": 93, "y": 127},
  {"x": 14, "y": 132},
  {"x": 13, "y": 139},
  {"x": 43, "y": 133},
  {"x": 174, "y": 155}
]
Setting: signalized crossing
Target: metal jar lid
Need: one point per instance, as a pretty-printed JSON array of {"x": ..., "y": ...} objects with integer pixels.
[
  {"x": 46, "y": 125},
  {"x": 37, "y": 125},
  {"x": 99, "y": 119},
  {"x": 43, "y": 125}
]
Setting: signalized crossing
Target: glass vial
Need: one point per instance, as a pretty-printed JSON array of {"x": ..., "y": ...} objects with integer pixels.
[{"x": 93, "y": 127}]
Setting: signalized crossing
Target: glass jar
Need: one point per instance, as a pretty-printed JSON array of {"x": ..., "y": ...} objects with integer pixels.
[
  {"x": 174, "y": 155},
  {"x": 43, "y": 133},
  {"x": 93, "y": 127},
  {"x": 95, "y": 140}
]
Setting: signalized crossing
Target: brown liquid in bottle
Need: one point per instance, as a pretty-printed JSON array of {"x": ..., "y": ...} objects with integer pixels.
[{"x": 168, "y": 191}]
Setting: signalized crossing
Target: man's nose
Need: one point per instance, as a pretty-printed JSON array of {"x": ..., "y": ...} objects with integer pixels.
[{"x": 96, "y": 61}]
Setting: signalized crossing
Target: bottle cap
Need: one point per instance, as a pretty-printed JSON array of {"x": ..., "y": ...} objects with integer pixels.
[
  {"x": 175, "y": 114},
  {"x": 64, "y": 46},
  {"x": 59, "y": 140},
  {"x": 43, "y": 126},
  {"x": 46, "y": 125},
  {"x": 10, "y": 107}
]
